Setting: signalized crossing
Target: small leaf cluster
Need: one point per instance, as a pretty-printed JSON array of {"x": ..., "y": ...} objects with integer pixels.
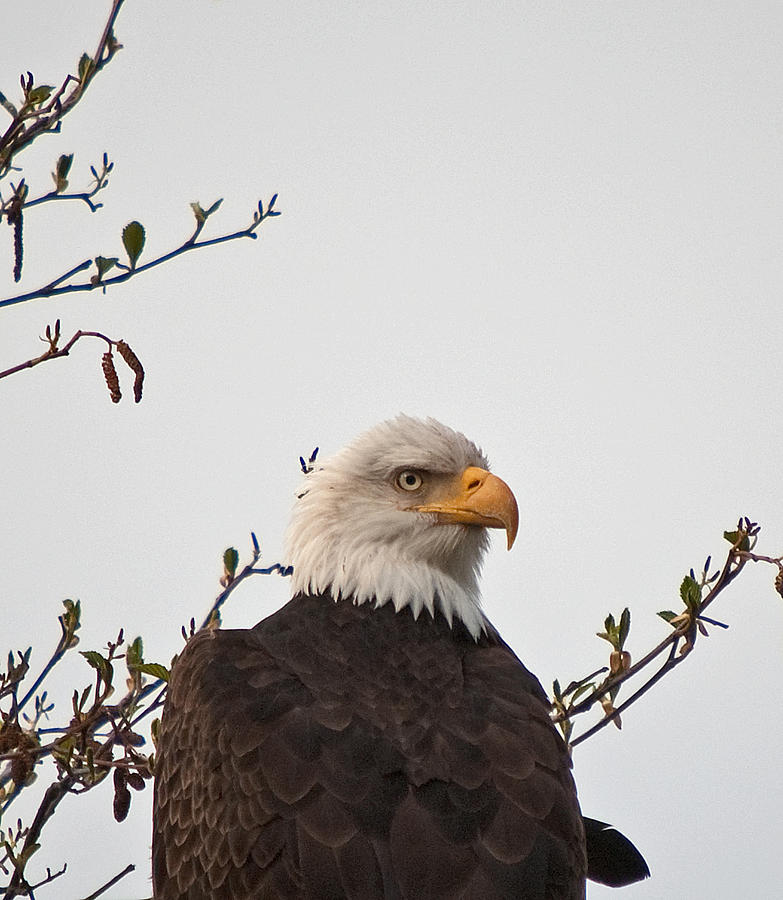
[
  {"x": 43, "y": 107},
  {"x": 203, "y": 214},
  {"x": 616, "y": 633},
  {"x": 696, "y": 594},
  {"x": 97, "y": 737},
  {"x": 581, "y": 694},
  {"x": 230, "y": 563},
  {"x": 61, "y": 170},
  {"x": 690, "y": 620},
  {"x": 565, "y": 701}
]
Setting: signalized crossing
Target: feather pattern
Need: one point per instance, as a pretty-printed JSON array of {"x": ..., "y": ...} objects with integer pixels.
[
  {"x": 374, "y": 739},
  {"x": 381, "y": 758}
]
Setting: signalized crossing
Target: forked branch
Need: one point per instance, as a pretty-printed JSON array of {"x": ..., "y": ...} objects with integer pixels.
[{"x": 697, "y": 594}]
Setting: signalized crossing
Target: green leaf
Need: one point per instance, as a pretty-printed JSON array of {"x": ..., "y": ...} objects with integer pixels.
[
  {"x": 85, "y": 65},
  {"x": 97, "y": 661},
  {"x": 79, "y": 703},
  {"x": 156, "y": 670},
  {"x": 231, "y": 561},
  {"x": 70, "y": 622},
  {"x": 667, "y": 615},
  {"x": 64, "y": 165},
  {"x": 625, "y": 626},
  {"x": 581, "y": 691},
  {"x": 690, "y": 592},
  {"x": 733, "y": 536},
  {"x": 40, "y": 93},
  {"x": 60, "y": 174},
  {"x": 134, "y": 654},
  {"x": 133, "y": 241},
  {"x": 104, "y": 264}
]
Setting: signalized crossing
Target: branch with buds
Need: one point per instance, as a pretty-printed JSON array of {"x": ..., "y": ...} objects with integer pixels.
[
  {"x": 101, "y": 737},
  {"x": 43, "y": 108},
  {"x": 697, "y": 594},
  {"x": 41, "y": 111},
  {"x": 133, "y": 239}
]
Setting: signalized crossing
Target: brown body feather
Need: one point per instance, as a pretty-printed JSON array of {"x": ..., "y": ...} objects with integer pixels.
[{"x": 342, "y": 751}]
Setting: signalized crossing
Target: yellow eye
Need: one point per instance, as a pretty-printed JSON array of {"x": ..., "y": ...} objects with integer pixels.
[{"x": 409, "y": 480}]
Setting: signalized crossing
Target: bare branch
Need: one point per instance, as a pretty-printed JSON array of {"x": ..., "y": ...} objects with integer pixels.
[
  {"x": 102, "y": 890},
  {"x": 56, "y": 353}
]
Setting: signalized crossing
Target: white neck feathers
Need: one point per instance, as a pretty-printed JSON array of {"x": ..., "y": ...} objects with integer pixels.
[
  {"x": 380, "y": 578},
  {"x": 349, "y": 535}
]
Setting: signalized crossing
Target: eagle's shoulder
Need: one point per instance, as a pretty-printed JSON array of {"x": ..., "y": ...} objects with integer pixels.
[{"x": 367, "y": 752}]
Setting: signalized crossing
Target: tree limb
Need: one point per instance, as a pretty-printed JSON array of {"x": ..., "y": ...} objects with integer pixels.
[
  {"x": 47, "y": 117},
  {"x": 56, "y": 288},
  {"x": 120, "y": 875},
  {"x": 678, "y": 644}
]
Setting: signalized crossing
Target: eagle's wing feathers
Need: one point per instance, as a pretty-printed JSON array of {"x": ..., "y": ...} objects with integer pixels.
[{"x": 401, "y": 763}]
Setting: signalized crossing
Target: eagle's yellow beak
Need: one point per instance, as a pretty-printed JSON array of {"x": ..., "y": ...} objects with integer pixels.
[{"x": 477, "y": 497}]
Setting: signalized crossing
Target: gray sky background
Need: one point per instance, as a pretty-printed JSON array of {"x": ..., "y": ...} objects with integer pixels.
[{"x": 555, "y": 227}]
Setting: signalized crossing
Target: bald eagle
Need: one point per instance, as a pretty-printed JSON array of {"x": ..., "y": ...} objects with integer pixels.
[{"x": 375, "y": 738}]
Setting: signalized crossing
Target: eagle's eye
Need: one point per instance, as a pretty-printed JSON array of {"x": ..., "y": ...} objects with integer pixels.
[{"x": 409, "y": 480}]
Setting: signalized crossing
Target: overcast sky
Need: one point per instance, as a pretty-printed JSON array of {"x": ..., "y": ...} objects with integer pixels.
[{"x": 554, "y": 226}]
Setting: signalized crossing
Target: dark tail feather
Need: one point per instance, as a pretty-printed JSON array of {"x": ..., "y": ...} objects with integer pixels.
[{"x": 611, "y": 858}]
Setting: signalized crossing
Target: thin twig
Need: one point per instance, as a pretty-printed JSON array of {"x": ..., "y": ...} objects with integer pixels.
[
  {"x": 670, "y": 663},
  {"x": 85, "y": 196},
  {"x": 735, "y": 562},
  {"x": 102, "y": 755},
  {"x": 17, "y": 886},
  {"x": 103, "y": 716},
  {"x": 756, "y": 557},
  {"x": 52, "y": 289},
  {"x": 102, "y": 890},
  {"x": 248, "y": 570},
  {"x": 50, "y": 877},
  {"x": 56, "y": 353}
]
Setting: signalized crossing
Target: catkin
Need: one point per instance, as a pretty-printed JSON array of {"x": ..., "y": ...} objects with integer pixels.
[
  {"x": 14, "y": 217},
  {"x": 122, "y": 797},
  {"x": 110, "y": 374},
  {"x": 135, "y": 366}
]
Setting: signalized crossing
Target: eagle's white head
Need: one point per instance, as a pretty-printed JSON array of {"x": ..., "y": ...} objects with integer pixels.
[{"x": 400, "y": 515}]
